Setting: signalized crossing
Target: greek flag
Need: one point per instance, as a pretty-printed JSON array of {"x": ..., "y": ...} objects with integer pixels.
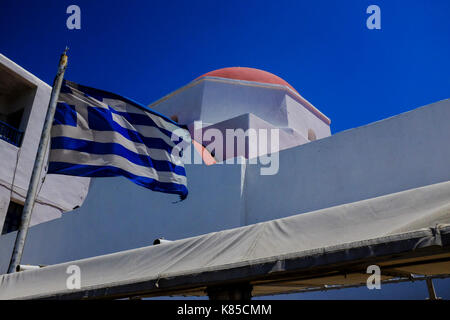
[{"x": 100, "y": 134}]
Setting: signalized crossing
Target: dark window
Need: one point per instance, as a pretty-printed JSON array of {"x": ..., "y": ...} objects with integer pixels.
[
  {"x": 16, "y": 99},
  {"x": 13, "y": 218},
  {"x": 15, "y": 118}
]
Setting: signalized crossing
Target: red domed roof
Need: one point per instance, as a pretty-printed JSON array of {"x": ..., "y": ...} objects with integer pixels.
[{"x": 247, "y": 74}]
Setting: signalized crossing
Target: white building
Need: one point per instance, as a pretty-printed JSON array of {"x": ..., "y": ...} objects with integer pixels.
[
  {"x": 245, "y": 98},
  {"x": 315, "y": 170},
  {"x": 23, "y": 104}
]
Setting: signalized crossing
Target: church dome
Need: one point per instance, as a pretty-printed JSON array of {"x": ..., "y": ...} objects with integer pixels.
[{"x": 247, "y": 74}]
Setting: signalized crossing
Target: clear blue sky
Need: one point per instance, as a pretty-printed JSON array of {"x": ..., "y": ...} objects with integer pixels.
[{"x": 146, "y": 49}]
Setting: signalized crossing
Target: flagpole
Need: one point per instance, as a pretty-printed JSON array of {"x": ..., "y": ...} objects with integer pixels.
[{"x": 37, "y": 168}]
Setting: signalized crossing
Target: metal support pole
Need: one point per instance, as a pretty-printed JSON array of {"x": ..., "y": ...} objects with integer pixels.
[
  {"x": 38, "y": 163},
  {"x": 431, "y": 291}
]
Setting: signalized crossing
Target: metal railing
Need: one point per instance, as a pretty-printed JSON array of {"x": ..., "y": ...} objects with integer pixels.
[{"x": 10, "y": 134}]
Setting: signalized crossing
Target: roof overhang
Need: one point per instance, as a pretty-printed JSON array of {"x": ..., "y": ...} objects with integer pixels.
[
  {"x": 292, "y": 93},
  {"x": 409, "y": 256}
]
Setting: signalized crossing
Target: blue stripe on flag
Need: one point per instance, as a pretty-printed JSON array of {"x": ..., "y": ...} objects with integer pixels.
[
  {"x": 116, "y": 149},
  {"x": 65, "y": 114},
  {"x": 110, "y": 171},
  {"x": 140, "y": 119},
  {"x": 101, "y": 119}
]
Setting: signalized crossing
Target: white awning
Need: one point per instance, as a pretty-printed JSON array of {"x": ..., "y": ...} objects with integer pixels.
[{"x": 404, "y": 233}]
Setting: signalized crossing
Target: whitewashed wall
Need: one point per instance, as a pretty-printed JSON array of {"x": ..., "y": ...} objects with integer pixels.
[
  {"x": 406, "y": 151},
  {"x": 399, "y": 153},
  {"x": 119, "y": 215}
]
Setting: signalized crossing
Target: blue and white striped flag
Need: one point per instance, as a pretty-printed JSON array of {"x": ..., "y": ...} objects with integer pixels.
[{"x": 100, "y": 134}]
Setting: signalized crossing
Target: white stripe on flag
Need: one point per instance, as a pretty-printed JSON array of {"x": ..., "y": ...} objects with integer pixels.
[
  {"x": 82, "y": 158},
  {"x": 115, "y": 137}
]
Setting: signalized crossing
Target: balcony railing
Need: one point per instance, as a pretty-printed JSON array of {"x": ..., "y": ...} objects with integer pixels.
[{"x": 10, "y": 134}]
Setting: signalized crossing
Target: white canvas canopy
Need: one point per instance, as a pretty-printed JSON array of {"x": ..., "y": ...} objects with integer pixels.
[{"x": 405, "y": 233}]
